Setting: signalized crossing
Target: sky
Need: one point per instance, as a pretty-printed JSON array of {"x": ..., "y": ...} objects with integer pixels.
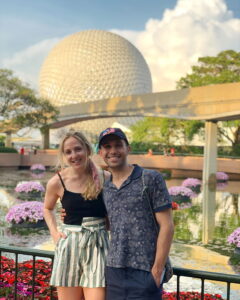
[{"x": 171, "y": 34}]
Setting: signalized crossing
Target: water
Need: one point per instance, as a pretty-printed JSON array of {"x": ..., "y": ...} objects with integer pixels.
[{"x": 187, "y": 251}]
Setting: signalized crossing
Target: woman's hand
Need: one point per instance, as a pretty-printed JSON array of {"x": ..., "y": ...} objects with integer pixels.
[
  {"x": 57, "y": 236},
  {"x": 63, "y": 214}
]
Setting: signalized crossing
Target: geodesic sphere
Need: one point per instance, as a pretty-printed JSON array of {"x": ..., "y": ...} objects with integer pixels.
[{"x": 92, "y": 65}]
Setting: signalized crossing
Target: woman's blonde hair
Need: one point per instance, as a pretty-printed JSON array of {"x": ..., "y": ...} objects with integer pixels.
[{"x": 95, "y": 180}]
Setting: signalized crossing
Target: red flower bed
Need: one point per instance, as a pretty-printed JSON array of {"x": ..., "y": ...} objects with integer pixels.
[
  {"x": 42, "y": 277},
  {"x": 190, "y": 296},
  {"x": 25, "y": 279}
]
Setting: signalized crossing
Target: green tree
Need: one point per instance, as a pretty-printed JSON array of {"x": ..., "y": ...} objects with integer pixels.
[
  {"x": 20, "y": 107},
  {"x": 152, "y": 129},
  {"x": 164, "y": 130},
  {"x": 223, "y": 68}
]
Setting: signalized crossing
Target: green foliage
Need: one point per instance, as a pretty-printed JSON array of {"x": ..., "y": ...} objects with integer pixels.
[
  {"x": 158, "y": 148},
  {"x": 2, "y": 140},
  {"x": 7, "y": 150},
  {"x": 165, "y": 130},
  {"x": 20, "y": 107},
  {"x": 152, "y": 129},
  {"x": 223, "y": 68},
  {"x": 42, "y": 114}
]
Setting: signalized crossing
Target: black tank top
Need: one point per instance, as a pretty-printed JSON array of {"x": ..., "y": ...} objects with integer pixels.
[{"x": 77, "y": 207}]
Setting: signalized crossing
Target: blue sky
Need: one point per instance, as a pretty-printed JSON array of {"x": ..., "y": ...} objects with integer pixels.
[
  {"x": 170, "y": 34},
  {"x": 29, "y": 21}
]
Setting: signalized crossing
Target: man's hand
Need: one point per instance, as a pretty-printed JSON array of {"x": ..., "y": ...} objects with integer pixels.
[
  {"x": 63, "y": 214},
  {"x": 157, "y": 275}
]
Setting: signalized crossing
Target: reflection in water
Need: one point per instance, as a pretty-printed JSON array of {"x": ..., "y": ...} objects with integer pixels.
[
  {"x": 208, "y": 210},
  {"x": 200, "y": 231}
]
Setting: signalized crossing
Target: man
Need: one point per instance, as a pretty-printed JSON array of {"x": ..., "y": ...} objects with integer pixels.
[{"x": 137, "y": 253}]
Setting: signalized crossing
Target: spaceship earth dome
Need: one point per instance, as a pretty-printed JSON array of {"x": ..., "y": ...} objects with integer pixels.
[{"x": 92, "y": 65}]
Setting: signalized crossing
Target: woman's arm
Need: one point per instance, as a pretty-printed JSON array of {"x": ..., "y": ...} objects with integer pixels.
[{"x": 51, "y": 198}]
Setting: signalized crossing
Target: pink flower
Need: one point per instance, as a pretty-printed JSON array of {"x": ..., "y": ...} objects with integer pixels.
[
  {"x": 181, "y": 190},
  {"x": 29, "y": 186},
  {"x": 191, "y": 182},
  {"x": 221, "y": 176},
  {"x": 31, "y": 211},
  {"x": 234, "y": 237}
]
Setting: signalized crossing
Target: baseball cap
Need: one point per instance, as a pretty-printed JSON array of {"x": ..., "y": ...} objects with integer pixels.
[{"x": 112, "y": 131}]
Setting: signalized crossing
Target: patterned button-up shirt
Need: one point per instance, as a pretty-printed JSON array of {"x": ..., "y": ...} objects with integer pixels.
[{"x": 133, "y": 232}]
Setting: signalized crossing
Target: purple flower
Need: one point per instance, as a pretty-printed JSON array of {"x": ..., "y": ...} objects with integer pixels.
[
  {"x": 29, "y": 186},
  {"x": 221, "y": 176},
  {"x": 191, "y": 182},
  {"x": 181, "y": 190},
  {"x": 31, "y": 212},
  {"x": 234, "y": 237}
]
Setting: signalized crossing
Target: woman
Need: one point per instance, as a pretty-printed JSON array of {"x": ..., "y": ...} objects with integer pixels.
[{"x": 81, "y": 244}]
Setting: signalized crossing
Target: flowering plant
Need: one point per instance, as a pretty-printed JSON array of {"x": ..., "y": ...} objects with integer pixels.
[
  {"x": 234, "y": 237},
  {"x": 29, "y": 186},
  {"x": 190, "y": 295},
  {"x": 221, "y": 176},
  {"x": 192, "y": 183},
  {"x": 181, "y": 194},
  {"x": 175, "y": 206},
  {"x": 38, "y": 168},
  {"x": 25, "y": 279},
  {"x": 30, "y": 212}
]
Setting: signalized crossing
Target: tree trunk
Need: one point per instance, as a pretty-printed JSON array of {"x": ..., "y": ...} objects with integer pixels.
[
  {"x": 8, "y": 140},
  {"x": 45, "y": 137}
]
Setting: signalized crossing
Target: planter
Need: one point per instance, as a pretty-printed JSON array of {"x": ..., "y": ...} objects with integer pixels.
[
  {"x": 196, "y": 189},
  {"x": 38, "y": 224},
  {"x": 31, "y": 196},
  {"x": 38, "y": 171},
  {"x": 180, "y": 199},
  {"x": 237, "y": 251}
]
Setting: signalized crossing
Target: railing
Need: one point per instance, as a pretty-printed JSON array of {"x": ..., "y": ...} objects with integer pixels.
[
  {"x": 179, "y": 272},
  {"x": 34, "y": 253},
  {"x": 204, "y": 275}
]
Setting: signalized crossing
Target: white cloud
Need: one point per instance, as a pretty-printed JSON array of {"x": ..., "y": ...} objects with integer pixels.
[
  {"x": 170, "y": 45},
  {"x": 27, "y": 63},
  {"x": 191, "y": 30}
]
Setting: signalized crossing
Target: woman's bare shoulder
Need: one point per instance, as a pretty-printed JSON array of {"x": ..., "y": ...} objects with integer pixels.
[{"x": 54, "y": 182}]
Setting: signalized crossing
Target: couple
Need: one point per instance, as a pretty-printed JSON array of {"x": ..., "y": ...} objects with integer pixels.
[{"x": 136, "y": 203}]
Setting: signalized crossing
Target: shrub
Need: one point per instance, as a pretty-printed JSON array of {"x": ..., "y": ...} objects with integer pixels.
[{"x": 7, "y": 150}]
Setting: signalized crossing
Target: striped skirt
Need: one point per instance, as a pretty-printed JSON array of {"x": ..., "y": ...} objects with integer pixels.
[{"x": 80, "y": 258}]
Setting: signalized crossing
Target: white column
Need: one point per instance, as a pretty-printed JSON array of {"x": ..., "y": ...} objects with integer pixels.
[
  {"x": 209, "y": 181},
  {"x": 210, "y": 153},
  {"x": 209, "y": 209}
]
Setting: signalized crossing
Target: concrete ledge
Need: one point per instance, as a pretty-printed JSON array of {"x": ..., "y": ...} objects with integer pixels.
[
  {"x": 10, "y": 160},
  {"x": 181, "y": 166}
]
